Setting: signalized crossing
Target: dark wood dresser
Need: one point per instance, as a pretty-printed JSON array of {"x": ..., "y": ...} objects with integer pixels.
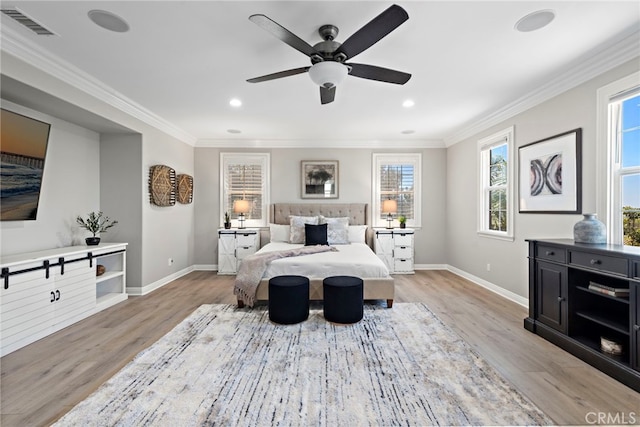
[{"x": 583, "y": 296}]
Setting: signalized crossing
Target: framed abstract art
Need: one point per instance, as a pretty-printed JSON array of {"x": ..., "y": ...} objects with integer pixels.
[{"x": 550, "y": 174}]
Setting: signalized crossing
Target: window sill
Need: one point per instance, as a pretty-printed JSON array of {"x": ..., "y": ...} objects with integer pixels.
[{"x": 496, "y": 236}]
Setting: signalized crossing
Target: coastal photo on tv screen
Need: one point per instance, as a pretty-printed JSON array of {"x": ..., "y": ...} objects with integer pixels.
[{"x": 23, "y": 146}]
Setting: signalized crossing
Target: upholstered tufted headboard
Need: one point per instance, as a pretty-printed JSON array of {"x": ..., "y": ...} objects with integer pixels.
[{"x": 357, "y": 212}]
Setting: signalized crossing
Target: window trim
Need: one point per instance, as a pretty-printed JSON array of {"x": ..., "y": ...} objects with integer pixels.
[
  {"x": 264, "y": 159},
  {"x": 379, "y": 159},
  {"x": 484, "y": 146},
  {"x": 606, "y": 198}
]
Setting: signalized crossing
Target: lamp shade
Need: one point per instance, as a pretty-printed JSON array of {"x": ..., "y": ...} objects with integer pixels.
[
  {"x": 389, "y": 206},
  {"x": 241, "y": 206},
  {"x": 328, "y": 73}
]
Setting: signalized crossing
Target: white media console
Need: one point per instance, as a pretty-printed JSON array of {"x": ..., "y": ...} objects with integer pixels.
[{"x": 45, "y": 291}]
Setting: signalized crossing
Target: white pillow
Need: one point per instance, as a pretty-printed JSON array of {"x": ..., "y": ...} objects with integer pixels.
[
  {"x": 297, "y": 223},
  {"x": 279, "y": 232},
  {"x": 358, "y": 234},
  {"x": 337, "y": 230}
]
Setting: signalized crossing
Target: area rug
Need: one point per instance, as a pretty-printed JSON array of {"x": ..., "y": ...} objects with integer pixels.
[{"x": 228, "y": 366}]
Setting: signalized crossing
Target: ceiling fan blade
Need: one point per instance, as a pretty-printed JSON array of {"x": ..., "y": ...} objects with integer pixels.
[
  {"x": 279, "y": 75},
  {"x": 327, "y": 95},
  {"x": 283, "y": 34},
  {"x": 373, "y": 72},
  {"x": 374, "y": 31}
]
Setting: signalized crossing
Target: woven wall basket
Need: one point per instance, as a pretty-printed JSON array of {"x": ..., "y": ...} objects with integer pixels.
[
  {"x": 185, "y": 189},
  {"x": 162, "y": 185}
]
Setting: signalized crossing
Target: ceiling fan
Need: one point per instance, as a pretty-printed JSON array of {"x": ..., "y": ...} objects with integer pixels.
[{"x": 328, "y": 57}]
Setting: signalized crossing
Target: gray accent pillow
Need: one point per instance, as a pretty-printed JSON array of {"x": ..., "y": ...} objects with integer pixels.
[
  {"x": 337, "y": 230},
  {"x": 297, "y": 227}
]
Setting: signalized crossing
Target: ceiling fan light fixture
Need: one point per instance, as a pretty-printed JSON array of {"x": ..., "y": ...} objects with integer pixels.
[{"x": 328, "y": 74}]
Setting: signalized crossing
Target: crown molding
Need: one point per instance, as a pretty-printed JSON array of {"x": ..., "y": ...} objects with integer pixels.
[
  {"x": 583, "y": 70},
  {"x": 25, "y": 50},
  {"x": 299, "y": 143}
]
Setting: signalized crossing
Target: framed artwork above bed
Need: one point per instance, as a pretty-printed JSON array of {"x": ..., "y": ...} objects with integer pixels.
[{"x": 319, "y": 179}]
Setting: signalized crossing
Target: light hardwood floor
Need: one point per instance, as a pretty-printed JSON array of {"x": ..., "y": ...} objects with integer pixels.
[{"x": 42, "y": 381}]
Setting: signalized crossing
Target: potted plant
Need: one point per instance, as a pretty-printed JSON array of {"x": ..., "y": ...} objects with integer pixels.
[
  {"x": 227, "y": 221},
  {"x": 403, "y": 221},
  {"x": 95, "y": 222}
]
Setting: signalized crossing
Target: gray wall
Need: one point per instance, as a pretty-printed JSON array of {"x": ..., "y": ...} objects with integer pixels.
[
  {"x": 470, "y": 253},
  {"x": 70, "y": 187},
  {"x": 121, "y": 196},
  {"x": 355, "y": 176}
]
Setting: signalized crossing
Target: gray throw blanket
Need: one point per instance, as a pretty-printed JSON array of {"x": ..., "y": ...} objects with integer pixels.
[{"x": 253, "y": 267}]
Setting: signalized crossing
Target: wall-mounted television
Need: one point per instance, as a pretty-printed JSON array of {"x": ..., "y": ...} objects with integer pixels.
[{"x": 23, "y": 148}]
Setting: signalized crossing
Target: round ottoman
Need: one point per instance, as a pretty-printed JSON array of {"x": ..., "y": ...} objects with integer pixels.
[
  {"x": 343, "y": 299},
  {"x": 288, "y": 299}
]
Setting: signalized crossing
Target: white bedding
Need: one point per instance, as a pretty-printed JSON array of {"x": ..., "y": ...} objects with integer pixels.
[{"x": 355, "y": 259}]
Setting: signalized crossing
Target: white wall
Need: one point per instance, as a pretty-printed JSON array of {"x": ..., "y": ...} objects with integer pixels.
[
  {"x": 470, "y": 253},
  {"x": 70, "y": 187},
  {"x": 355, "y": 175}
]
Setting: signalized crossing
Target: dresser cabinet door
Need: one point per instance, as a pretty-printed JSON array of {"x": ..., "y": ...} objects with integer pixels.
[
  {"x": 75, "y": 299},
  {"x": 227, "y": 253},
  {"x": 635, "y": 326},
  {"x": 27, "y": 309},
  {"x": 385, "y": 246},
  {"x": 551, "y": 291}
]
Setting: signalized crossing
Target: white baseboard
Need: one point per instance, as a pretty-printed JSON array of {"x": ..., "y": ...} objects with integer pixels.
[
  {"x": 430, "y": 266},
  {"x": 490, "y": 286},
  {"x": 159, "y": 283},
  {"x": 205, "y": 267}
]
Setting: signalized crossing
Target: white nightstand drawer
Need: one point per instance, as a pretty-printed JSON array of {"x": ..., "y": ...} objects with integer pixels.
[
  {"x": 403, "y": 265},
  {"x": 403, "y": 252},
  {"x": 403, "y": 239}
]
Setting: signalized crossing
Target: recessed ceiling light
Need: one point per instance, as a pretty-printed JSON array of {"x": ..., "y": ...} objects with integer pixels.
[
  {"x": 408, "y": 132},
  {"x": 235, "y": 102},
  {"x": 234, "y": 131},
  {"x": 108, "y": 21},
  {"x": 535, "y": 20},
  {"x": 408, "y": 103}
]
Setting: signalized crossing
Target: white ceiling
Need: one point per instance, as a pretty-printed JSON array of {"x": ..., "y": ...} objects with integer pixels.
[{"x": 182, "y": 61}]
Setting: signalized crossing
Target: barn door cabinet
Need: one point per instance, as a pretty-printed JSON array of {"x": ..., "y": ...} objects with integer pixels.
[
  {"x": 572, "y": 305},
  {"x": 43, "y": 292},
  {"x": 395, "y": 248},
  {"x": 234, "y": 245}
]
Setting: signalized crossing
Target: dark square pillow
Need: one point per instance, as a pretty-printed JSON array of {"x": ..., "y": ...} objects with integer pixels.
[{"x": 315, "y": 234}]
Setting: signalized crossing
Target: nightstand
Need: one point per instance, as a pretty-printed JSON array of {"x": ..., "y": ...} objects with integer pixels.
[
  {"x": 234, "y": 245},
  {"x": 395, "y": 248}
]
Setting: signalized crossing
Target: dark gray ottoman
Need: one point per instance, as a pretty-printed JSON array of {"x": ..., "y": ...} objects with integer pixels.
[
  {"x": 343, "y": 299},
  {"x": 288, "y": 299}
]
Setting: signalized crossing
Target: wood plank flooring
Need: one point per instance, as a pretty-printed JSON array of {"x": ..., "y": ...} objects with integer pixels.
[{"x": 41, "y": 382}]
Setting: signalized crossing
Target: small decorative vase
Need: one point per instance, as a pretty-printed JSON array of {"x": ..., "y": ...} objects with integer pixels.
[
  {"x": 227, "y": 225},
  {"x": 403, "y": 225},
  {"x": 92, "y": 241},
  {"x": 590, "y": 230}
]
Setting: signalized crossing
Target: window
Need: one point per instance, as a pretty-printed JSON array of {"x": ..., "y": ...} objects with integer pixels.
[
  {"x": 624, "y": 143},
  {"x": 245, "y": 176},
  {"x": 397, "y": 177},
  {"x": 495, "y": 213}
]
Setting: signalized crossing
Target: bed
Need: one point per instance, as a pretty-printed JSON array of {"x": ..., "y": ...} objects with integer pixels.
[{"x": 355, "y": 259}]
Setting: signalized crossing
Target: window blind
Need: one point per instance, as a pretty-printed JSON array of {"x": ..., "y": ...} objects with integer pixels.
[
  {"x": 397, "y": 183},
  {"x": 245, "y": 181}
]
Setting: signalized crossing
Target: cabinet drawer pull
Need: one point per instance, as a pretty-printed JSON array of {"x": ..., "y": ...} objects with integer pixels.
[
  {"x": 636, "y": 327},
  {"x": 549, "y": 253},
  {"x": 53, "y": 297},
  {"x": 560, "y": 299},
  {"x": 595, "y": 262}
]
